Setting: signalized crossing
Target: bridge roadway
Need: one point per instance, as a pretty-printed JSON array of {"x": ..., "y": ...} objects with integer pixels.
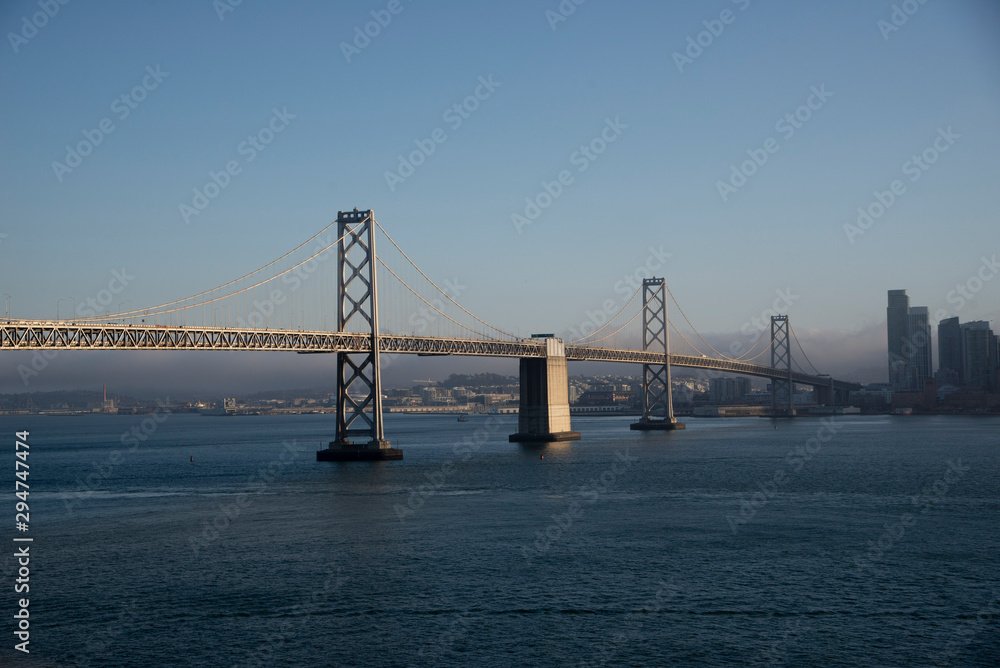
[{"x": 53, "y": 335}]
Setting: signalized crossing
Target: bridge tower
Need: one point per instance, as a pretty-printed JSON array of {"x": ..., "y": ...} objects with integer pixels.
[
  {"x": 359, "y": 413},
  {"x": 782, "y": 389},
  {"x": 657, "y": 401}
]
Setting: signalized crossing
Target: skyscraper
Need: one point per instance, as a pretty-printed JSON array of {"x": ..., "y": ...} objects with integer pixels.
[
  {"x": 909, "y": 333},
  {"x": 977, "y": 358},
  {"x": 728, "y": 390},
  {"x": 918, "y": 346},
  {"x": 897, "y": 316},
  {"x": 950, "y": 349}
]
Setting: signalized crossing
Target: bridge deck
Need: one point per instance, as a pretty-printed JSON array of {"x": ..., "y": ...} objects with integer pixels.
[{"x": 49, "y": 335}]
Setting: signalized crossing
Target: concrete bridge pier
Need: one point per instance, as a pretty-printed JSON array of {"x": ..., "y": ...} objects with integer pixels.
[{"x": 544, "y": 411}]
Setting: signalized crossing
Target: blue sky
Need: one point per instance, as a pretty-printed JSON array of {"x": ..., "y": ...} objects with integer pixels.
[{"x": 680, "y": 132}]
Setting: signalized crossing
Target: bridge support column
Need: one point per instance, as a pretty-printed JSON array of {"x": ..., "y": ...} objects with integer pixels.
[
  {"x": 782, "y": 389},
  {"x": 544, "y": 413},
  {"x": 657, "y": 399},
  {"x": 359, "y": 413}
]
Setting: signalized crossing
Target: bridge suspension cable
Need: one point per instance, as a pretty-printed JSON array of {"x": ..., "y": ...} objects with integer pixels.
[
  {"x": 443, "y": 292},
  {"x": 637, "y": 314},
  {"x": 152, "y": 310},
  {"x": 159, "y": 310},
  {"x": 610, "y": 320},
  {"x": 683, "y": 338},
  {"x": 815, "y": 370},
  {"x": 744, "y": 358},
  {"x": 763, "y": 352},
  {"x": 688, "y": 320},
  {"x": 421, "y": 298}
]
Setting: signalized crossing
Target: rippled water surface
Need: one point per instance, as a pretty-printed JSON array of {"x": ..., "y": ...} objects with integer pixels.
[{"x": 861, "y": 541}]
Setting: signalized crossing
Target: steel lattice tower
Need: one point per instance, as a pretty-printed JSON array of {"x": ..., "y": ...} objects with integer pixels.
[
  {"x": 782, "y": 390},
  {"x": 359, "y": 414},
  {"x": 657, "y": 401}
]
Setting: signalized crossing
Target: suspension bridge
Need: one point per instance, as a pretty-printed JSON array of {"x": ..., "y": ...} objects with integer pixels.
[{"x": 334, "y": 294}]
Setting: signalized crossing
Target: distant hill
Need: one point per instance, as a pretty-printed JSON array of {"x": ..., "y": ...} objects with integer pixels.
[{"x": 73, "y": 399}]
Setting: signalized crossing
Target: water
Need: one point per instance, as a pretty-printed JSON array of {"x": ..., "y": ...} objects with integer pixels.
[{"x": 624, "y": 548}]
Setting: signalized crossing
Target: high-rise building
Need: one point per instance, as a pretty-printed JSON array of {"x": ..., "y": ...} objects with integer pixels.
[
  {"x": 909, "y": 338},
  {"x": 919, "y": 346},
  {"x": 995, "y": 383},
  {"x": 978, "y": 359},
  {"x": 897, "y": 316},
  {"x": 728, "y": 390},
  {"x": 950, "y": 349}
]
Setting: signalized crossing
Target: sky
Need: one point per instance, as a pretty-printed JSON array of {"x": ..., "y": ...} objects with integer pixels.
[{"x": 740, "y": 137}]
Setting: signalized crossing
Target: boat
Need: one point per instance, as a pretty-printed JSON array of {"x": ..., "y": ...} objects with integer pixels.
[
  {"x": 902, "y": 411},
  {"x": 464, "y": 417}
]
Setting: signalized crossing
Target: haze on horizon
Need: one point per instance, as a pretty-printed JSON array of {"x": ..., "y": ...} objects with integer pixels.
[{"x": 715, "y": 175}]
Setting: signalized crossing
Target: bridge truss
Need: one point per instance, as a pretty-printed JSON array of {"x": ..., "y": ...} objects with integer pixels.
[{"x": 45, "y": 335}]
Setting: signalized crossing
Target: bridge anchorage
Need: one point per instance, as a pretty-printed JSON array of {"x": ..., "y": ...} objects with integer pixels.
[{"x": 657, "y": 400}]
